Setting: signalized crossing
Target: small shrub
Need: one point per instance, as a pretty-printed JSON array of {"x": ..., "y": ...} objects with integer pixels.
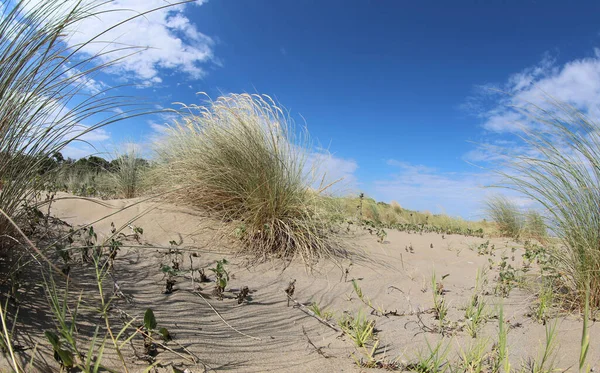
[{"x": 222, "y": 277}]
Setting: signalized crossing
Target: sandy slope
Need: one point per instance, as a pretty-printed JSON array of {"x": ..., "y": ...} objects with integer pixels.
[{"x": 392, "y": 278}]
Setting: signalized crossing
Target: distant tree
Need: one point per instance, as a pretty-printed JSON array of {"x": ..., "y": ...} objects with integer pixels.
[
  {"x": 58, "y": 157},
  {"x": 92, "y": 164}
]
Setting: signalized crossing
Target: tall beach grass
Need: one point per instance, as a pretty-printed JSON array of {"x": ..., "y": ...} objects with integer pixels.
[
  {"x": 242, "y": 158},
  {"x": 44, "y": 94},
  {"x": 127, "y": 177},
  {"x": 562, "y": 173}
]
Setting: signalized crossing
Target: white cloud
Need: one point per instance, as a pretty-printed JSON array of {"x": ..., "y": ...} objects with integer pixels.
[
  {"x": 158, "y": 128},
  {"x": 84, "y": 81},
  {"x": 576, "y": 83},
  {"x": 76, "y": 150},
  {"x": 168, "y": 38},
  {"x": 98, "y": 134}
]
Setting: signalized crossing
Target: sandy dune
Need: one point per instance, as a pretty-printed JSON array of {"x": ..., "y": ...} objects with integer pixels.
[{"x": 275, "y": 335}]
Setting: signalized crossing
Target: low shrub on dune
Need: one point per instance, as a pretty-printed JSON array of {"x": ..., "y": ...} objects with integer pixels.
[{"x": 241, "y": 158}]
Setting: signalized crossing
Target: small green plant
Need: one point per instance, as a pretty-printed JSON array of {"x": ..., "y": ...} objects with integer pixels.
[
  {"x": 90, "y": 240},
  {"x": 222, "y": 277},
  {"x": 67, "y": 351},
  {"x": 475, "y": 312},
  {"x": 150, "y": 328},
  {"x": 474, "y": 359},
  {"x": 240, "y": 231},
  {"x": 113, "y": 248},
  {"x": 63, "y": 355},
  {"x": 542, "y": 308},
  {"x": 485, "y": 249},
  {"x": 64, "y": 253},
  {"x": 320, "y": 312},
  {"x": 440, "y": 306},
  {"x": 500, "y": 360},
  {"x": 475, "y": 315},
  {"x": 137, "y": 233},
  {"x": 358, "y": 328},
  {"x": 170, "y": 273},
  {"x": 507, "y": 278},
  {"x": 381, "y": 235},
  {"x": 433, "y": 360},
  {"x": 545, "y": 363},
  {"x": 379, "y": 311}
]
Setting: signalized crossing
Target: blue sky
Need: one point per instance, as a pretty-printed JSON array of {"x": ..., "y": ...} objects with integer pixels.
[{"x": 400, "y": 92}]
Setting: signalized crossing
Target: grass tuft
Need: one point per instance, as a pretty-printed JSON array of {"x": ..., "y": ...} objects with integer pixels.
[
  {"x": 506, "y": 215},
  {"x": 241, "y": 158},
  {"x": 561, "y": 172}
]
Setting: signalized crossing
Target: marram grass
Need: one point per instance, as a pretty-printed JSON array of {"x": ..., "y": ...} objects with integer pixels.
[
  {"x": 44, "y": 103},
  {"x": 241, "y": 158},
  {"x": 506, "y": 215},
  {"x": 561, "y": 172}
]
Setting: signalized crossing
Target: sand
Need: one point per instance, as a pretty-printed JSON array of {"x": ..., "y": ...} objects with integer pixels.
[{"x": 271, "y": 336}]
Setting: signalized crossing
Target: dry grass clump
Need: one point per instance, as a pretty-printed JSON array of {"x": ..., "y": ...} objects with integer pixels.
[
  {"x": 561, "y": 172},
  {"x": 396, "y": 207},
  {"x": 241, "y": 158},
  {"x": 127, "y": 175},
  {"x": 535, "y": 226},
  {"x": 506, "y": 215}
]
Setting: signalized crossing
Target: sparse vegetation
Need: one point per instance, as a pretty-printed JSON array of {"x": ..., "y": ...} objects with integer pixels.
[
  {"x": 322, "y": 313},
  {"x": 241, "y": 159},
  {"x": 434, "y": 359}
]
